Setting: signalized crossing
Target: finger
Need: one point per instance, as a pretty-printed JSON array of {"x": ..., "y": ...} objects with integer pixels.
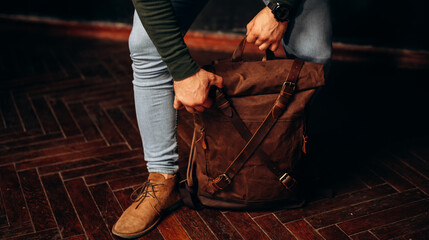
[
  {"x": 251, "y": 38},
  {"x": 258, "y": 42},
  {"x": 190, "y": 109},
  {"x": 217, "y": 81},
  {"x": 264, "y": 46},
  {"x": 249, "y": 26},
  {"x": 199, "y": 108},
  {"x": 274, "y": 47},
  {"x": 177, "y": 104}
]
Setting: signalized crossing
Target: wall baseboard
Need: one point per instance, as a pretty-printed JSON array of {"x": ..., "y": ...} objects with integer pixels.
[{"x": 401, "y": 58}]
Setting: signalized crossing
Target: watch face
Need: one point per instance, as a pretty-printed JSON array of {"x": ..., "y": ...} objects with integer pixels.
[{"x": 282, "y": 13}]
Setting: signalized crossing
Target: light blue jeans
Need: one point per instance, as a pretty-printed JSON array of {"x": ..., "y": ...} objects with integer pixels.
[{"x": 308, "y": 37}]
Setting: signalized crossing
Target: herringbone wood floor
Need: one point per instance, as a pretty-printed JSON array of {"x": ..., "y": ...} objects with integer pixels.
[{"x": 71, "y": 154}]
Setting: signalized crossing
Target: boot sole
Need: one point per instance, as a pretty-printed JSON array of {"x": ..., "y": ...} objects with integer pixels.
[{"x": 147, "y": 230}]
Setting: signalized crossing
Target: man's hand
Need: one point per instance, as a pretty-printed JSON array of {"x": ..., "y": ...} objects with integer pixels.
[
  {"x": 192, "y": 92},
  {"x": 265, "y": 31}
]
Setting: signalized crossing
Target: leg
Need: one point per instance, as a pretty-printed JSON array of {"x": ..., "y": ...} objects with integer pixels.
[
  {"x": 309, "y": 35},
  {"x": 154, "y": 95},
  {"x": 153, "y": 92}
]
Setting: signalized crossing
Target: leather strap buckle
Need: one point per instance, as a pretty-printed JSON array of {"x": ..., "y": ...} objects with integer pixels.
[
  {"x": 289, "y": 84},
  {"x": 227, "y": 179},
  {"x": 287, "y": 181},
  {"x": 218, "y": 183}
]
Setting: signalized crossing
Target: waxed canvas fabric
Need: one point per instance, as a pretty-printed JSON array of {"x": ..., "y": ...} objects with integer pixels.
[{"x": 252, "y": 89}]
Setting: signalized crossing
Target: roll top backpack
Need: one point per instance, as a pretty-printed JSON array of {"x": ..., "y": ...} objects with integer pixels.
[{"x": 247, "y": 148}]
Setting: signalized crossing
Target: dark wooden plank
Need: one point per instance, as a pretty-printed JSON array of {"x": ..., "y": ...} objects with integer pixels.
[
  {"x": 13, "y": 199},
  {"x": 94, "y": 69},
  {"x": 337, "y": 202},
  {"x": 421, "y": 151},
  {"x": 171, "y": 229},
  {"x": 421, "y": 235},
  {"x": 128, "y": 181},
  {"x": 414, "y": 161},
  {"x": 64, "y": 117},
  {"x": 30, "y": 148},
  {"x": 102, "y": 168},
  {"x": 152, "y": 235},
  {"x": 3, "y": 221},
  {"x": 364, "y": 236},
  {"x": 28, "y": 116},
  {"x": 302, "y": 231},
  {"x": 348, "y": 183},
  {"x": 78, "y": 237},
  {"x": 32, "y": 139},
  {"x": 130, "y": 111},
  {"x": 16, "y": 230},
  {"x": 64, "y": 213},
  {"x": 84, "y": 122},
  {"x": 403, "y": 227},
  {"x": 39, "y": 208},
  {"x": 2, "y": 123},
  {"x": 45, "y": 115},
  {"x": 219, "y": 225},
  {"x": 45, "y": 234},
  {"x": 409, "y": 174},
  {"x": 247, "y": 228},
  {"x": 117, "y": 174},
  {"x": 87, "y": 150},
  {"x": 50, "y": 61},
  {"x": 114, "y": 157},
  {"x": 193, "y": 224},
  {"x": 333, "y": 233},
  {"x": 366, "y": 208},
  {"x": 2, "y": 207},
  {"x": 63, "y": 59},
  {"x": 9, "y": 113},
  {"x": 104, "y": 124},
  {"x": 106, "y": 203},
  {"x": 92, "y": 221},
  {"x": 367, "y": 176},
  {"x": 59, "y": 91},
  {"x": 67, "y": 165},
  {"x": 115, "y": 69},
  {"x": 390, "y": 176},
  {"x": 89, "y": 91},
  {"x": 126, "y": 128},
  {"x": 274, "y": 229},
  {"x": 384, "y": 217},
  {"x": 123, "y": 197}
]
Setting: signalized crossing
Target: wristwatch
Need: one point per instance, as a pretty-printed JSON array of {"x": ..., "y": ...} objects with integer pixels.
[{"x": 282, "y": 12}]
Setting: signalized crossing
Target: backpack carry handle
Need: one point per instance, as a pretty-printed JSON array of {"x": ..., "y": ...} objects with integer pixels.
[{"x": 237, "y": 55}]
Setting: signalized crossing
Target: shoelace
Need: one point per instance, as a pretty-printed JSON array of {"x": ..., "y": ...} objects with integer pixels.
[{"x": 147, "y": 189}]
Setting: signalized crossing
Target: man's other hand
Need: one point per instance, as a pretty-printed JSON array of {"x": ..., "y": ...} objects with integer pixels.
[
  {"x": 265, "y": 31},
  {"x": 192, "y": 92}
]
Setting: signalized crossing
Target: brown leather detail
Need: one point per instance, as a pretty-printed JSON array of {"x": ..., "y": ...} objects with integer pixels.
[
  {"x": 289, "y": 182},
  {"x": 304, "y": 144},
  {"x": 237, "y": 55}
]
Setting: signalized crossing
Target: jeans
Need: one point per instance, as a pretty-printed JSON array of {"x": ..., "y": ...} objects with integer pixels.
[{"x": 308, "y": 37}]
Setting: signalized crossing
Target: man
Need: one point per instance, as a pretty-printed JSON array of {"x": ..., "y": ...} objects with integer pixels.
[{"x": 165, "y": 75}]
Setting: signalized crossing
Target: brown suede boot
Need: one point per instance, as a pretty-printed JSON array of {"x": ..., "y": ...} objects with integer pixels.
[{"x": 156, "y": 197}]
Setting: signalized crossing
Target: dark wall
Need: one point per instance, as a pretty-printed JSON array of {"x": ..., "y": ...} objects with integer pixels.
[{"x": 387, "y": 23}]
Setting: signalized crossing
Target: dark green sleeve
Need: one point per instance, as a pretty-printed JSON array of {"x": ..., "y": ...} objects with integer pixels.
[{"x": 161, "y": 25}]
